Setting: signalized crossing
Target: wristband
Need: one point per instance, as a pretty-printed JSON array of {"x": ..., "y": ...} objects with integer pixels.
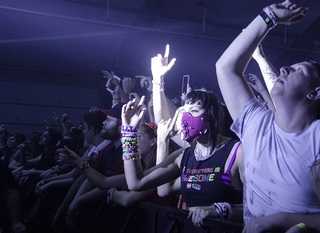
[
  {"x": 84, "y": 167},
  {"x": 160, "y": 84},
  {"x": 267, "y": 19}
]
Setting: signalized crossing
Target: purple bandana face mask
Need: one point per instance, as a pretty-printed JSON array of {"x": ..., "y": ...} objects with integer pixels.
[{"x": 194, "y": 126}]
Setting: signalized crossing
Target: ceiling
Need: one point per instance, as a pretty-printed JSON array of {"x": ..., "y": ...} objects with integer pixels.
[{"x": 79, "y": 38}]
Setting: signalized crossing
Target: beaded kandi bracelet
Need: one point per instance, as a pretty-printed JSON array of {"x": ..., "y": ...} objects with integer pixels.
[
  {"x": 224, "y": 210},
  {"x": 110, "y": 196},
  {"x": 130, "y": 143},
  {"x": 269, "y": 17},
  {"x": 84, "y": 167}
]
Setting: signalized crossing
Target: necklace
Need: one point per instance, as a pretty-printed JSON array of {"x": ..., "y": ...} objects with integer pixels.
[{"x": 200, "y": 156}]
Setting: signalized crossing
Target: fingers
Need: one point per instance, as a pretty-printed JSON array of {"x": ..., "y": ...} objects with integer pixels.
[
  {"x": 166, "y": 54},
  {"x": 141, "y": 102},
  {"x": 173, "y": 60},
  {"x": 299, "y": 14},
  {"x": 107, "y": 75}
]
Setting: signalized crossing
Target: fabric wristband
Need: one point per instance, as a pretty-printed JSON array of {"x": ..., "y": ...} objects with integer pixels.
[{"x": 267, "y": 20}]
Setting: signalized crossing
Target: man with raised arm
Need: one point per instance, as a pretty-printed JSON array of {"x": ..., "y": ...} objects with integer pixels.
[{"x": 281, "y": 147}]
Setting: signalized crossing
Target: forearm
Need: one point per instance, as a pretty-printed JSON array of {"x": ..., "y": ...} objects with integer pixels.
[
  {"x": 91, "y": 196},
  {"x": 71, "y": 194},
  {"x": 232, "y": 64},
  {"x": 160, "y": 105},
  {"x": 85, "y": 187},
  {"x": 62, "y": 183},
  {"x": 59, "y": 177},
  {"x": 162, "y": 150},
  {"x": 127, "y": 199},
  {"x": 268, "y": 72},
  {"x": 133, "y": 174},
  {"x": 240, "y": 51},
  {"x": 65, "y": 128}
]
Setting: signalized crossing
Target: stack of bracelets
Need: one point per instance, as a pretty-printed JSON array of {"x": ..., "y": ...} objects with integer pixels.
[
  {"x": 224, "y": 210},
  {"x": 84, "y": 167},
  {"x": 110, "y": 196},
  {"x": 269, "y": 17},
  {"x": 130, "y": 143}
]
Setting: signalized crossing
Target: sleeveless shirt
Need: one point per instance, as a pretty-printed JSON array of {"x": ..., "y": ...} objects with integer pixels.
[{"x": 201, "y": 181}]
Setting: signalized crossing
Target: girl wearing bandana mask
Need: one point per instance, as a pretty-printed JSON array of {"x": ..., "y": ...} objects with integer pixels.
[{"x": 208, "y": 173}]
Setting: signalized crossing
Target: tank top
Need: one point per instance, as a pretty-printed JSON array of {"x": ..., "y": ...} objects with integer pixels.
[{"x": 201, "y": 181}]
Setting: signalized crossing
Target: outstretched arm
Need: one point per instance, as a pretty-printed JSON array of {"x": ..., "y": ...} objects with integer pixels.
[
  {"x": 96, "y": 178},
  {"x": 159, "y": 67},
  {"x": 135, "y": 177},
  {"x": 233, "y": 62},
  {"x": 166, "y": 130}
]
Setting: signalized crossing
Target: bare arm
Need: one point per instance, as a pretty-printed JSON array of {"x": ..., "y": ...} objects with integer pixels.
[
  {"x": 94, "y": 177},
  {"x": 166, "y": 130},
  {"x": 135, "y": 177},
  {"x": 233, "y": 62},
  {"x": 129, "y": 198},
  {"x": 269, "y": 73},
  {"x": 159, "y": 67}
]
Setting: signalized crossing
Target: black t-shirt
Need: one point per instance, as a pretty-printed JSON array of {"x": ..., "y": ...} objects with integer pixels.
[
  {"x": 6, "y": 177},
  {"x": 201, "y": 182}
]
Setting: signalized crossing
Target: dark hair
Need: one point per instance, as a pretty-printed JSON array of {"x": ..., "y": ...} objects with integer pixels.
[
  {"x": 17, "y": 136},
  {"x": 55, "y": 136},
  {"x": 212, "y": 105},
  {"x": 151, "y": 160},
  {"x": 94, "y": 119}
]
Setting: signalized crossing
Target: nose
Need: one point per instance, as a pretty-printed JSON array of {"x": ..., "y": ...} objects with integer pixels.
[{"x": 285, "y": 70}]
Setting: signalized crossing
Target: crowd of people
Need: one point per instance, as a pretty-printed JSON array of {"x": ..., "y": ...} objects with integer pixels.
[{"x": 265, "y": 176}]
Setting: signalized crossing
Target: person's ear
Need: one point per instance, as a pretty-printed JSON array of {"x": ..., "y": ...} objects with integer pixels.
[
  {"x": 314, "y": 94},
  {"x": 92, "y": 130},
  {"x": 153, "y": 142}
]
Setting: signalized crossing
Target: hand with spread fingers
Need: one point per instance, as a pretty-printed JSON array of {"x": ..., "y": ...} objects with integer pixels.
[
  {"x": 132, "y": 114},
  {"x": 160, "y": 66},
  {"x": 167, "y": 129},
  {"x": 145, "y": 82},
  {"x": 128, "y": 84},
  {"x": 288, "y": 13}
]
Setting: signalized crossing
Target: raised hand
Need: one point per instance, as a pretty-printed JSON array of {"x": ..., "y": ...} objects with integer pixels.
[
  {"x": 256, "y": 83},
  {"x": 67, "y": 156},
  {"x": 288, "y": 13},
  {"x": 145, "y": 82},
  {"x": 134, "y": 95},
  {"x": 132, "y": 114},
  {"x": 128, "y": 84},
  {"x": 167, "y": 129},
  {"x": 55, "y": 116},
  {"x": 160, "y": 66}
]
